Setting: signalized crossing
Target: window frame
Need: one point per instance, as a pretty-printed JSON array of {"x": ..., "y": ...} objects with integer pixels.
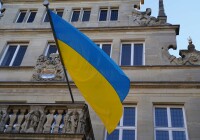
[
  {"x": 102, "y": 43},
  {"x": 170, "y": 129},
  {"x": 82, "y": 14},
  {"x": 29, "y": 14},
  {"x": 19, "y": 13},
  {"x": 132, "y": 53},
  {"x": 47, "y": 48},
  {"x": 15, "y": 53},
  {"x": 72, "y": 13},
  {"x": 109, "y": 11},
  {"x": 56, "y": 10},
  {"x": 121, "y": 127}
]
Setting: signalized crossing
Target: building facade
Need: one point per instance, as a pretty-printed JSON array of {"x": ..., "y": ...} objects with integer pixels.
[{"x": 163, "y": 101}]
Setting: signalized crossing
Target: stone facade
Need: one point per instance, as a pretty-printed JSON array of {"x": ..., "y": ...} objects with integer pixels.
[{"x": 162, "y": 80}]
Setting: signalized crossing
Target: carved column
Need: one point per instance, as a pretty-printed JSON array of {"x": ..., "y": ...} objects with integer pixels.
[{"x": 12, "y": 120}]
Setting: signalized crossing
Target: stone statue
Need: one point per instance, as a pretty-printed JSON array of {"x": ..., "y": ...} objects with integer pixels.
[
  {"x": 33, "y": 121},
  {"x": 3, "y": 120},
  {"x": 188, "y": 57},
  {"x": 82, "y": 122},
  {"x": 71, "y": 122}
]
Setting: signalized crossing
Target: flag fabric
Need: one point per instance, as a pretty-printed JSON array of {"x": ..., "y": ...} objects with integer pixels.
[{"x": 101, "y": 82}]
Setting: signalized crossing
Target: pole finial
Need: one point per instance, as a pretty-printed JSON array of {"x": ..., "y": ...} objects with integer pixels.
[{"x": 46, "y": 3}]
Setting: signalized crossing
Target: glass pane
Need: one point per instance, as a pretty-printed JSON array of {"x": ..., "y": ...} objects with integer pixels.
[
  {"x": 177, "y": 117},
  {"x": 60, "y": 13},
  {"x": 106, "y": 48},
  {"x": 52, "y": 49},
  {"x": 129, "y": 116},
  {"x": 179, "y": 135},
  {"x": 161, "y": 117},
  {"x": 31, "y": 17},
  {"x": 46, "y": 19},
  {"x": 9, "y": 55},
  {"x": 126, "y": 55},
  {"x": 128, "y": 135},
  {"x": 103, "y": 15},
  {"x": 138, "y": 54},
  {"x": 113, "y": 136},
  {"x": 114, "y": 15},
  {"x": 21, "y": 16},
  {"x": 20, "y": 55},
  {"x": 86, "y": 16},
  {"x": 75, "y": 16},
  {"x": 162, "y": 135}
]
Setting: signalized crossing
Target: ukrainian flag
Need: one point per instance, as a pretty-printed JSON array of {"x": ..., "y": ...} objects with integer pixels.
[{"x": 102, "y": 83}]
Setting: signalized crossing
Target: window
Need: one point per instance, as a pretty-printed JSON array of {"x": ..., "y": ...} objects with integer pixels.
[
  {"x": 22, "y": 16},
  {"x": 108, "y": 13},
  {"x": 126, "y": 129},
  {"x": 57, "y": 11},
  {"x": 103, "y": 14},
  {"x": 86, "y": 15},
  {"x": 13, "y": 55},
  {"x": 114, "y": 14},
  {"x": 51, "y": 48},
  {"x": 75, "y": 15},
  {"x": 106, "y": 48},
  {"x": 83, "y": 14},
  {"x": 31, "y": 16},
  {"x": 169, "y": 123},
  {"x": 132, "y": 54}
]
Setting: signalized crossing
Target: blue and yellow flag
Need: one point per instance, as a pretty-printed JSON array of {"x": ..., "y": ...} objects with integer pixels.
[{"x": 101, "y": 82}]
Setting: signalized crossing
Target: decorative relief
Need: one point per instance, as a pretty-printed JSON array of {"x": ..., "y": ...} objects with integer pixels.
[
  {"x": 46, "y": 119},
  {"x": 48, "y": 69},
  {"x": 145, "y": 18},
  {"x": 188, "y": 57}
]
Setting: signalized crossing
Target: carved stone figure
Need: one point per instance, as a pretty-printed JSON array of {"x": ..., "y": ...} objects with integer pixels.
[
  {"x": 145, "y": 18},
  {"x": 48, "y": 69},
  {"x": 33, "y": 123},
  {"x": 188, "y": 57},
  {"x": 82, "y": 122},
  {"x": 3, "y": 119},
  {"x": 71, "y": 122}
]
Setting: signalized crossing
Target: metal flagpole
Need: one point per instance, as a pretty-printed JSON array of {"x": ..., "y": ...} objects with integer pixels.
[{"x": 46, "y": 4}]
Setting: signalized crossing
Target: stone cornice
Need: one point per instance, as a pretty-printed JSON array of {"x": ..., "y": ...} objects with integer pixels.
[
  {"x": 135, "y": 84},
  {"x": 105, "y": 29}
]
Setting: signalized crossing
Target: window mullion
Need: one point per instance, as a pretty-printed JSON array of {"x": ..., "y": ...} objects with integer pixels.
[
  {"x": 132, "y": 54},
  {"x": 14, "y": 56},
  {"x": 29, "y": 13}
]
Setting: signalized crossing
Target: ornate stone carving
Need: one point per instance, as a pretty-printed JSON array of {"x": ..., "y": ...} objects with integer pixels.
[
  {"x": 3, "y": 119},
  {"x": 52, "y": 119},
  {"x": 71, "y": 122},
  {"x": 48, "y": 69},
  {"x": 145, "y": 18},
  {"x": 34, "y": 122},
  {"x": 188, "y": 57}
]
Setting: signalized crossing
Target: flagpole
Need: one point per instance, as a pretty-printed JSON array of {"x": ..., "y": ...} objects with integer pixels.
[{"x": 46, "y": 4}]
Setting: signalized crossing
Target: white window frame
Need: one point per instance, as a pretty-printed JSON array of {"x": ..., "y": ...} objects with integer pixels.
[
  {"x": 19, "y": 13},
  {"x": 102, "y": 43},
  {"x": 121, "y": 127},
  {"x": 170, "y": 128},
  {"x": 108, "y": 13},
  {"x": 132, "y": 52},
  {"x": 73, "y": 10},
  {"x": 14, "y": 55},
  {"x": 58, "y": 10},
  {"x": 113, "y": 8},
  {"x": 82, "y": 13},
  {"x": 47, "y": 48},
  {"x": 55, "y": 11},
  {"x": 29, "y": 13}
]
